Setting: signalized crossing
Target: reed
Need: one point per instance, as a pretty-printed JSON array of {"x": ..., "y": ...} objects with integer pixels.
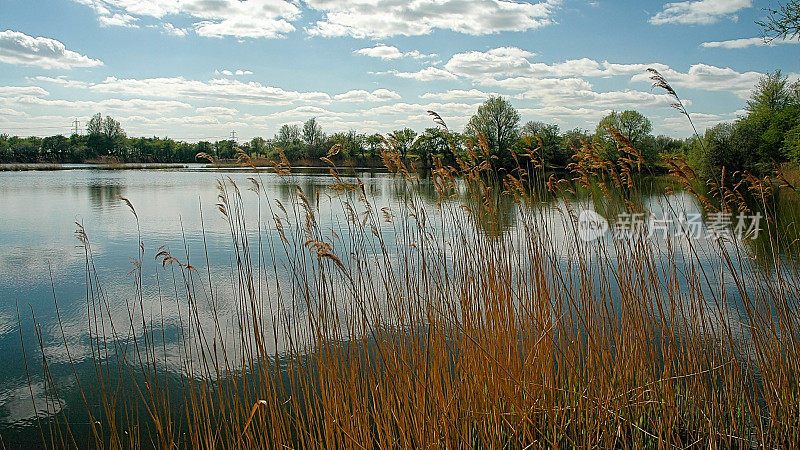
[{"x": 409, "y": 326}]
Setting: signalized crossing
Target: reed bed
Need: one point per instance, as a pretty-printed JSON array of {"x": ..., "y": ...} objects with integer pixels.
[{"x": 413, "y": 326}]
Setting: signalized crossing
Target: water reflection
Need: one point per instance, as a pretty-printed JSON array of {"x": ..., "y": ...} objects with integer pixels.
[{"x": 104, "y": 194}]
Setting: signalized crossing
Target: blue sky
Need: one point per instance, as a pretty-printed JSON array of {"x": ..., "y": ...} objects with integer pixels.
[{"x": 199, "y": 69}]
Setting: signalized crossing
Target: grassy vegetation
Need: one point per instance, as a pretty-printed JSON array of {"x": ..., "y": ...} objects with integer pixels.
[
  {"x": 26, "y": 167},
  {"x": 120, "y": 166},
  {"x": 415, "y": 327},
  {"x": 105, "y": 166}
]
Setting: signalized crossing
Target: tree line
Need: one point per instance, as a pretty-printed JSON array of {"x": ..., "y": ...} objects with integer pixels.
[{"x": 768, "y": 134}]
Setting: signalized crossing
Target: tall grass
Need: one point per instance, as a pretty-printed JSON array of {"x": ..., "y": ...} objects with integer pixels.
[{"x": 414, "y": 326}]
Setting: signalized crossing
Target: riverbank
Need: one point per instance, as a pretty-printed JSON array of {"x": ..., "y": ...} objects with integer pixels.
[{"x": 117, "y": 166}]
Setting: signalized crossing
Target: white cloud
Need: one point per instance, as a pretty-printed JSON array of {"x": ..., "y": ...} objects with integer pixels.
[
  {"x": 510, "y": 68},
  {"x": 748, "y": 42},
  {"x": 709, "y": 78},
  {"x": 214, "y": 18},
  {"x": 118, "y": 20},
  {"x": 217, "y": 111},
  {"x": 230, "y": 73},
  {"x": 544, "y": 85},
  {"x": 383, "y": 18},
  {"x": 387, "y": 52},
  {"x": 563, "y": 111},
  {"x": 301, "y": 113},
  {"x": 168, "y": 28},
  {"x": 699, "y": 12},
  {"x": 19, "y": 48},
  {"x": 612, "y": 99},
  {"x": 22, "y": 91},
  {"x": 513, "y": 61},
  {"x": 360, "y": 95},
  {"x": 578, "y": 92},
  {"x": 494, "y": 62},
  {"x": 34, "y": 96},
  {"x": 61, "y": 80},
  {"x": 459, "y": 94},
  {"x": 426, "y": 74},
  {"x": 702, "y": 121},
  {"x": 554, "y": 84},
  {"x": 217, "y": 90}
]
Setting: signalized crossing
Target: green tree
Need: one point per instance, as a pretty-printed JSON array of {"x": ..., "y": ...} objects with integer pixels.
[
  {"x": 106, "y": 136},
  {"x": 402, "y": 140},
  {"x": 289, "y": 140},
  {"x": 225, "y": 149},
  {"x": 312, "y": 132},
  {"x": 5, "y": 153},
  {"x": 772, "y": 112},
  {"x": 719, "y": 150},
  {"x": 631, "y": 124},
  {"x": 498, "y": 122},
  {"x": 55, "y": 147},
  {"x": 352, "y": 143},
  {"x": 547, "y": 138},
  {"x": 574, "y": 139},
  {"x": 791, "y": 144},
  {"x": 783, "y": 22},
  {"x": 95, "y": 125},
  {"x": 773, "y": 92},
  {"x": 373, "y": 143},
  {"x": 258, "y": 146},
  {"x": 432, "y": 143}
]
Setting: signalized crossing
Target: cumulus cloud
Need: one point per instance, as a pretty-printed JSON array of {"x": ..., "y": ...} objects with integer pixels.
[
  {"x": 513, "y": 61},
  {"x": 577, "y": 91},
  {"x": 709, "y": 78},
  {"x": 301, "y": 113},
  {"x": 626, "y": 98},
  {"x": 360, "y": 95},
  {"x": 218, "y": 18},
  {"x": 387, "y": 52},
  {"x": 218, "y": 90},
  {"x": 61, "y": 80},
  {"x": 118, "y": 20},
  {"x": 231, "y": 73},
  {"x": 494, "y": 62},
  {"x": 19, "y": 48},
  {"x": 216, "y": 111},
  {"x": 748, "y": 42},
  {"x": 34, "y": 96},
  {"x": 563, "y": 111},
  {"x": 383, "y": 18},
  {"x": 168, "y": 28},
  {"x": 554, "y": 84},
  {"x": 699, "y": 12},
  {"x": 426, "y": 74},
  {"x": 459, "y": 94},
  {"x": 22, "y": 91}
]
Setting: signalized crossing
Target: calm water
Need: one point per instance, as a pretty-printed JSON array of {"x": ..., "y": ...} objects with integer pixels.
[{"x": 40, "y": 260}]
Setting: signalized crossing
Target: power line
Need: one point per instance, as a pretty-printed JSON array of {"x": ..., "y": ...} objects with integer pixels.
[
  {"x": 233, "y": 135},
  {"x": 76, "y": 123}
]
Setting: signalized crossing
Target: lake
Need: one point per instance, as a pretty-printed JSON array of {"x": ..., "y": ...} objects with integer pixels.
[{"x": 43, "y": 272}]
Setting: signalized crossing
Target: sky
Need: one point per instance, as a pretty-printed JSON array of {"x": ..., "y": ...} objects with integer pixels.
[{"x": 203, "y": 69}]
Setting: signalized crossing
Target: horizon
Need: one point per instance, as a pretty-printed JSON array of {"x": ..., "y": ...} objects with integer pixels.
[{"x": 197, "y": 71}]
